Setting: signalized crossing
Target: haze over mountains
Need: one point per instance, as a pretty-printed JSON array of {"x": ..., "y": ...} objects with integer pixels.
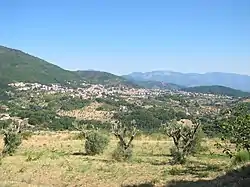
[
  {"x": 232, "y": 80},
  {"x": 16, "y": 65}
]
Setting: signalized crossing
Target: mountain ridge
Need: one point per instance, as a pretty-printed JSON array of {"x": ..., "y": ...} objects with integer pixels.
[
  {"x": 16, "y": 65},
  {"x": 217, "y": 90},
  {"x": 232, "y": 80}
]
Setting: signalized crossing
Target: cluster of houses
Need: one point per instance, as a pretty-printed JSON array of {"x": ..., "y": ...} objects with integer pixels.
[{"x": 87, "y": 91}]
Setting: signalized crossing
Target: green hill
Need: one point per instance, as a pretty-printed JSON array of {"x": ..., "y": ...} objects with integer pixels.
[
  {"x": 16, "y": 65},
  {"x": 217, "y": 90}
]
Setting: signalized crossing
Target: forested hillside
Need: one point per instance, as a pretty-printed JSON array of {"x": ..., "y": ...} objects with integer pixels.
[{"x": 217, "y": 90}]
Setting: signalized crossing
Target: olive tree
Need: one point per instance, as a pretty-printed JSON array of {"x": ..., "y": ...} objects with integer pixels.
[
  {"x": 125, "y": 135},
  {"x": 183, "y": 135},
  {"x": 12, "y": 137}
]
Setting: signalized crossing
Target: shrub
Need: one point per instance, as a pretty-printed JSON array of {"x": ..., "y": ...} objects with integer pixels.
[
  {"x": 11, "y": 142},
  {"x": 177, "y": 156},
  {"x": 120, "y": 154},
  {"x": 95, "y": 143},
  {"x": 241, "y": 157}
]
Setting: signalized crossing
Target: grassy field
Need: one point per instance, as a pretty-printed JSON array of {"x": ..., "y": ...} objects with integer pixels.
[{"x": 57, "y": 159}]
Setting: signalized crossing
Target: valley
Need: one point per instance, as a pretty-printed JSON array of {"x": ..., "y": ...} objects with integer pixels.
[{"x": 90, "y": 128}]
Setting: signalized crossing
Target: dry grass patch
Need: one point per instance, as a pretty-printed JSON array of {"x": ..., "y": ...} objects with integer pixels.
[
  {"x": 89, "y": 113},
  {"x": 54, "y": 159}
]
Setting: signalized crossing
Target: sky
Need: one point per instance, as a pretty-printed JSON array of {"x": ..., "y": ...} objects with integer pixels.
[{"x": 123, "y": 36}]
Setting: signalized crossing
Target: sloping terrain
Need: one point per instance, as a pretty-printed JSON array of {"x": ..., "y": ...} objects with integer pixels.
[
  {"x": 217, "y": 90},
  {"x": 16, "y": 65},
  {"x": 104, "y": 78},
  {"x": 89, "y": 113}
]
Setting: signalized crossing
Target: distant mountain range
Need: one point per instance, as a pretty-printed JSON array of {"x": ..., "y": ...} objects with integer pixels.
[
  {"x": 156, "y": 85},
  {"x": 16, "y": 65},
  {"x": 235, "y": 81},
  {"x": 104, "y": 78}
]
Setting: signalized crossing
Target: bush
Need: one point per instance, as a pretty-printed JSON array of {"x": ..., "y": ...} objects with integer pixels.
[
  {"x": 11, "y": 142},
  {"x": 177, "y": 156},
  {"x": 95, "y": 143},
  {"x": 241, "y": 157},
  {"x": 120, "y": 154}
]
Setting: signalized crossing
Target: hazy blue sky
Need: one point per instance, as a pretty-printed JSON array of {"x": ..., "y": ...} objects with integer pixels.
[{"x": 122, "y": 36}]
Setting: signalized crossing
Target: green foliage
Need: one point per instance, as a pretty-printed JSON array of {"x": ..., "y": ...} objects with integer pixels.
[
  {"x": 149, "y": 120},
  {"x": 241, "y": 157},
  {"x": 236, "y": 127},
  {"x": 65, "y": 102},
  {"x": 146, "y": 120},
  {"x": 120, "y": 154},
  {"x": 44, "y": 119},
  {"x": 125, "y": 134},
  {"x": 95, "y": 124},
  {"x": 217, "y": 90},
  {"x": 11, "y": 142},
  {"x": 61, "y": 123},
  {"x": 185, "y": 140},
  {"x": 16, "y": 65},
  {"x": 69, "y": 103},
  {"x": 95, "y": 143},
  {"x": 211, "y": 126},
  {"x": 197, "y": 147},
  {"x": 115, "y": 102},
  {"x": 5, "y": 124},
  {"x": 178, "y": 156},
  {"x": 3, "y": 91}
]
